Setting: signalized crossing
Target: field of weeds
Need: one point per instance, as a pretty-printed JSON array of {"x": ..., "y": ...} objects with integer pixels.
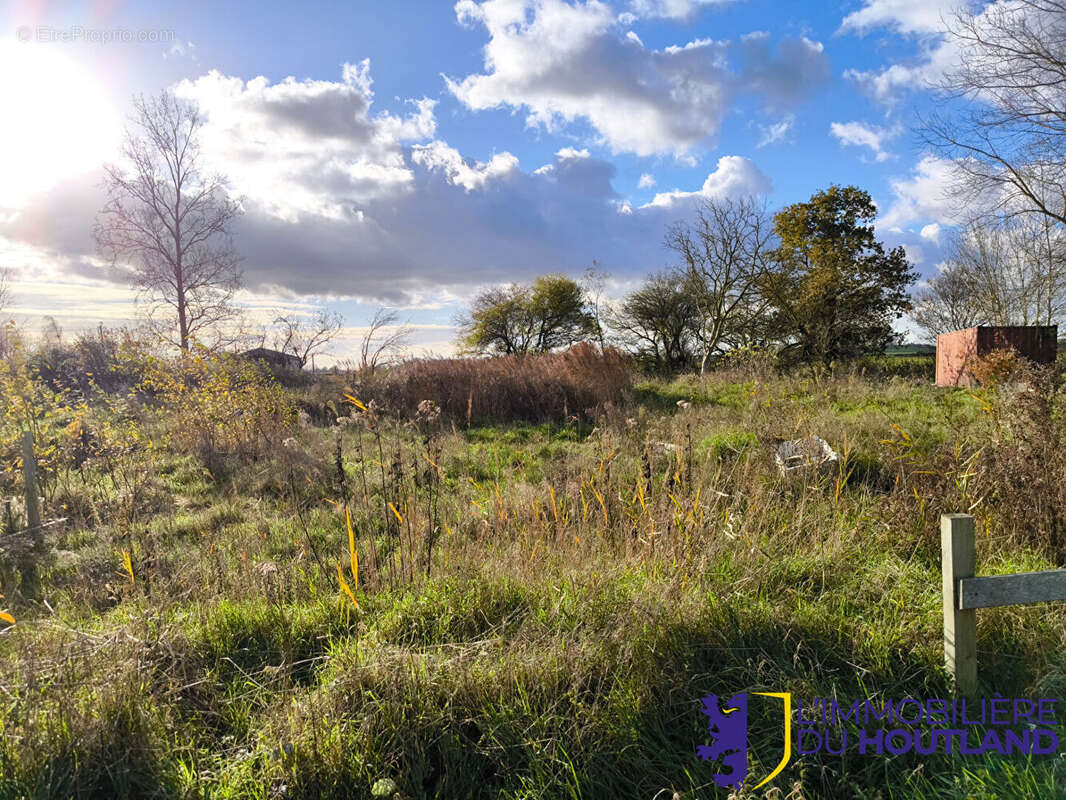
[{"x": 362, "y": 589}]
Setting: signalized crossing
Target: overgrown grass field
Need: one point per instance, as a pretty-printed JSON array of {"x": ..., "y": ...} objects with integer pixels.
[{"x": 518, "y": 608}]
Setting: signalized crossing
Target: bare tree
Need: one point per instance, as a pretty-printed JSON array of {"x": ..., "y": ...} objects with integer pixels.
[
  {"x": 5, "y": 289},
  {"x": 170, "y": 223},
  {"x": 726, "y": 249},
  {"x": 385, "y": 338},
  {"x": 658, "y": 321},
  {"x": 5, "y": 300},
  {"x": 305, "y": 338},
  {"x": 594, "y": 282},
  {"x": 1008, "y": 133},
  {"x": 1002, "y": 270},
  {"x": 946, "y": 302}
]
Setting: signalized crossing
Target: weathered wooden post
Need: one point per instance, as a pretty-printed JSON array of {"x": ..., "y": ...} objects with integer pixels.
[
  {"x": 960, "y": 625},
  {"x": 29, "y": 473},
  {"x": 28, "y": 585}
]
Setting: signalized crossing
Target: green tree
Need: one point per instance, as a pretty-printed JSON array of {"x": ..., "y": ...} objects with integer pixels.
[
  {"x": 551, "y": 313},
  {"x": 834, "y": 290}
]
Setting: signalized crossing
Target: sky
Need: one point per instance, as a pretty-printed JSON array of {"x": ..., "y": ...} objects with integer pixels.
[{"x": 404, "y": 154}]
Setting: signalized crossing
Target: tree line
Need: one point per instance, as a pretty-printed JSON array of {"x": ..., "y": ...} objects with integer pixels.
[{"x": 812, "y": 281}]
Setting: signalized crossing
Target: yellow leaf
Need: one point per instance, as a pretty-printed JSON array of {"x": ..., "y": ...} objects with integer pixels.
[
  {"x": 394, "y": 511},
  {"x": 7, "y": 617}
]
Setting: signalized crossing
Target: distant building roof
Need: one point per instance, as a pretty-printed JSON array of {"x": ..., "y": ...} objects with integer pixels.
[{"x": 275, "y": 358}]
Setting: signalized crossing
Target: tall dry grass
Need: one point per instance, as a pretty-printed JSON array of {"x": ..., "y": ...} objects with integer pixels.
[{"x": 535, "y": 388}]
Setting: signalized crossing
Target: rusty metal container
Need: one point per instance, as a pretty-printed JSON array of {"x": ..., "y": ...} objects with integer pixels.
[{"x": 1038, "y": 343}]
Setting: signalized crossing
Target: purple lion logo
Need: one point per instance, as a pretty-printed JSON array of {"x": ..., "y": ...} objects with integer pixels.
[{"x": 728, "y": 728}]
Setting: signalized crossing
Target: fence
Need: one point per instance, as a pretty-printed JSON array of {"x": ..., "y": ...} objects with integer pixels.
[{"x": 964, "y": 593}]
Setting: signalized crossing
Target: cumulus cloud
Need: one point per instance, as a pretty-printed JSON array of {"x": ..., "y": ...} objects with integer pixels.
[
  {"x": 346, "y": 201},
  {"x": 647, "y": 180},
  {"x": 858, "y": 134},
  {"x": 439, "y": 156},
  {"x": 562, "y": 63},
  {"x": 905, "y": 16},
  {"x": 735, "y": 176},
  {"x": 924, "y": 21},
  {"x": 306, "y": 147},
  {"x": 931, "y": 232},
  {"x": 922, "y": 72},
  {"x": 922, "y": 196}
]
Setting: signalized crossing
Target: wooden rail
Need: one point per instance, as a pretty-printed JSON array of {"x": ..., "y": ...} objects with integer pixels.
[{"x": 964, "y": 593}]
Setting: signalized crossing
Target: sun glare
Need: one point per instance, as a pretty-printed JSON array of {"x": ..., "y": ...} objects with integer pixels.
[{"x": 57, "y": 121}]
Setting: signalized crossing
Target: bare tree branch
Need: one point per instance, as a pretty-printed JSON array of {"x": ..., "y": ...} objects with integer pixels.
[
  {"x": 5, "y": 289},
  {"x": 384, "y": 339},
  {"x": 1007, "y": 133},
  {"x": 726, "y": 250},
  {"x": 306, "y": 338}
]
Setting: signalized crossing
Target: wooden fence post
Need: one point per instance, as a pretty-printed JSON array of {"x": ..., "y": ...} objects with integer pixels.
[
  {"x": 29, "y": 473},
  {"x": 28, "y": 569},
  {"x": 960, "y": 625}
]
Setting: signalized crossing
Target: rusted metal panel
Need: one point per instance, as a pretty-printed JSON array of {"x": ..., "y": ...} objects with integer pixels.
[
  {"x": 1038, "y": 343},
  {"x": 1034, "y": 342}
]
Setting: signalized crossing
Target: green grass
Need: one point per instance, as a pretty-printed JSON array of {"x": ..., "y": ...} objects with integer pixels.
[{"x": 585, "y": 587}]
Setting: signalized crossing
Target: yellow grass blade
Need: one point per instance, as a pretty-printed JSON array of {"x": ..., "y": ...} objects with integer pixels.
[
  {"x": 127, "y": 565},
  {"x": 602, "y": 505},
  {"x": 352, "y": 555},
  {"x": 397, "y": 513},
  {"x": 355, "y": 402},
  {"x": 345, "y": 587}
]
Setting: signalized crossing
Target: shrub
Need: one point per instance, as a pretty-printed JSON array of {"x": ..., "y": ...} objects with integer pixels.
[
  {"x": 555, "y": 386},
  {"x": 219, "y": 405}
]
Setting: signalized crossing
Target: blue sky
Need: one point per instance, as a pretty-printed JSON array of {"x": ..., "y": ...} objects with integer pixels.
[{"x": 406, "y": 153}]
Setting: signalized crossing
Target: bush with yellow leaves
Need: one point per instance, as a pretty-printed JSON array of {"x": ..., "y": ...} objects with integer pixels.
[{"x": 218, "y": 406}]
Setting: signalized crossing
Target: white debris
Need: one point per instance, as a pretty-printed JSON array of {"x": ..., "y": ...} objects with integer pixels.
[{"x": 811, "y": 454}]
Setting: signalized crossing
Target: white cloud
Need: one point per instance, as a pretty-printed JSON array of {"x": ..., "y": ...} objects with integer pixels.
[
  {"x": 306, "y": 147},
  {"x": 735, "y": 176},
  {"x": 345, "y": 202},
  {"x": 573, "y": 152},
  {"x": 181, "y": 49},
  {"x": 931, "y": 232},
  {"x": 858, "y": 134},
  {"x": 562, "y": 63},
  {"x": 924, "y": 72},
  {"x": 647, "y": 180},
  {"x": 905, "y": 16},
  {"x": 671, "y": 9},
  {"x": 777, "y": 131},
  {"x": 439, "y": 156},
  {"x": 938, "y": 53},
  {"x": 342, "y": 199},
  {"x": 922, "y": 196}
]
